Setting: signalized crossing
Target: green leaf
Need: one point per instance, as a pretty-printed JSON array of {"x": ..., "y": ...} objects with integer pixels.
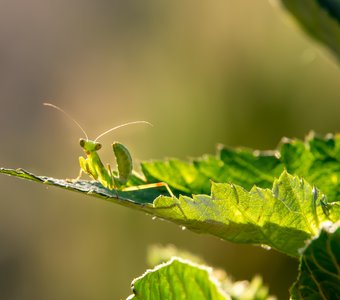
[
  {"x": 138, "y": 198},
  {"x": 256, "y": 208},
  {"x": 282, "y": 217},
  {"x": 182, "y": 279},
  {"x": 319, "y": 18},
  {"x": 319, "y": 275},
  {"x": 238, "y": 290},
  {"x": 317, "y": 159},
  {"x": 241, "y": 166},
  {"x": 177, "y": 279},
  {"x": 181, "y": 176}
]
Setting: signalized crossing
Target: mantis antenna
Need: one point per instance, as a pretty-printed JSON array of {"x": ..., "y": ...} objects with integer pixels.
[
  {"x": 67, "y": 115},
  {"x": 119, "y": 126},
  {"x": 99, "y": 136}
]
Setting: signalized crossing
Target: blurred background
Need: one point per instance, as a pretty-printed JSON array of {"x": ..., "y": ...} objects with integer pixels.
[{"x": 233, "y": 72}]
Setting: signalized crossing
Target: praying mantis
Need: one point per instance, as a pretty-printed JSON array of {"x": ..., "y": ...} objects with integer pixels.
[{"x": 93, "y": 166}]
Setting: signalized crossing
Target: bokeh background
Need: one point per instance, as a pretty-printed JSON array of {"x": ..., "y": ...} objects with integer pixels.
[{"x": 203, "y": 72}]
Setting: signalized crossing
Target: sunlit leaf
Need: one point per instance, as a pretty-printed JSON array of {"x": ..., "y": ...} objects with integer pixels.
[
  {"x": 177, "y": 280},
  {"x": 317, "y": 159},
  {"x": 282, "y": 217}
]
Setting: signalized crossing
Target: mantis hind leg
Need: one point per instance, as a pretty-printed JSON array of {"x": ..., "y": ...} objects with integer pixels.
[
  {"x": 149, "y": 186},
  {"x": 155, "y": 185}
]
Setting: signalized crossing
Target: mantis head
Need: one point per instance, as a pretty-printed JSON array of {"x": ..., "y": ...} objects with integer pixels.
[{"x": 89, "y": 146}]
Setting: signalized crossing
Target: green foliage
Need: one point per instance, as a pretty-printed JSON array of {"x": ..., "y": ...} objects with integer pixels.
[
  {"x": 281, "y": 217},
  {"x": 279, "y": 199},
  {"x": 317, "y": 159},
  {"x": 177, "y": 280},
  {"x": 181, "y": 279},
  {"x": 319, "y": 18},
  {"x": 240, "y": 166},
  {"x": 319, "y": 276},
  {"x": 237, "y": 290}
]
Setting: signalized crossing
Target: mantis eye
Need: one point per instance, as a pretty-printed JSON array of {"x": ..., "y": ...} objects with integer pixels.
[
  {"x": 82, "y": 143},
  {"x": 98, "y": 146}
]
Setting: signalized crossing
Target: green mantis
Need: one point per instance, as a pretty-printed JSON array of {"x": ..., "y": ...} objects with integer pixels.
[{"x": 93, "y": 166}]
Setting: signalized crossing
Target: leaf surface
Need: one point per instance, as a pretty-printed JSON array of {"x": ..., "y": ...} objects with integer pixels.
[
  {"x": 177, "y": 280},
  {"x": 282, "y": 217},
  {"x": 316, "y": 159},
  {"x": 319, "y": 274}
]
